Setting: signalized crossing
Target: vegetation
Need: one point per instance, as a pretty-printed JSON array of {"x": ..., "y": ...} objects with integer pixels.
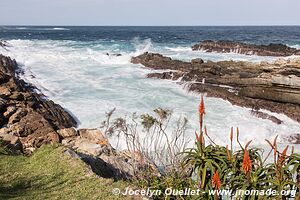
[
  {"x": 51, "y": 174},
  {"x": 217, "y": 167},
  {"x": 161, "y": 160},
  {"x": 207, "y": 166}
]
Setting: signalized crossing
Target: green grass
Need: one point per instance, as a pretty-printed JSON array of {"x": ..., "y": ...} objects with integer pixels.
[{"x": 51, "y": 174}]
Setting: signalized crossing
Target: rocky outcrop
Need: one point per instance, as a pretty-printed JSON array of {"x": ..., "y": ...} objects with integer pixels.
[
  {"x": 270, "y": 86},
  {"x": 25, "y": 114},
  {"x": 3, "y": 43},
  {"x": 248, "y": 49},
  {"x": 294, "y": 139},
  {"x": 94, "y": 148}
]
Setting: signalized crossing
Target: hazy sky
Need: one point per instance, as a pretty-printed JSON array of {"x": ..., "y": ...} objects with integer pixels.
[{"x": 149, "y": 12}]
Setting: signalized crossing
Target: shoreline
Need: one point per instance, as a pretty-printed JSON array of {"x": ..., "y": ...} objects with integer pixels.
[
  {"x": 257, "y": 86},
  {"x": 28, "y": 118},
  {"x": 175, "y": 71}
]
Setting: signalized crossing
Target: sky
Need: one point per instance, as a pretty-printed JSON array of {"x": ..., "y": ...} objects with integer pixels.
[{"x": 149, "y": 12}]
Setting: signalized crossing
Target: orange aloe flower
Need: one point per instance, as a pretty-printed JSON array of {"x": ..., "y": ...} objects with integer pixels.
[
  {"x": 201, "y": 110},
  {"x": 247, "y": 163},
  {"x": 231, "y": 134},
  {"x": 215, "y": 181}
]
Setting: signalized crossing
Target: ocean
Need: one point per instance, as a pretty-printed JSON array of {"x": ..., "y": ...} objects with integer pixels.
[{"x": 70, "y": 65}]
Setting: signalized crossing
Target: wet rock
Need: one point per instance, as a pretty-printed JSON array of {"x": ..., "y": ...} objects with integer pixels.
[
  {"x": 244, "y": 48},
  {"x": 294, "y": 139},
  {"x": 197, "y": 61},
  {"x": 263, "y": 115},
  {"x": 3, "y": 43},
  {"x": 165, "y": 75},
  {"x": 114, "y": 54}
]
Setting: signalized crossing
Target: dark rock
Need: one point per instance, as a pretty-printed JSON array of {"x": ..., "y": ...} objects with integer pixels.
[
  {"x": 263, "y": 115},
  {"x": 197, "y": 61},
  {"x": 114, "y": 54},
  {"x": 3, "y": 43},
  {"x": 165, "y": 75},
  {"x": 248, "y": 49},
  {"x": 157, "y": 61},
  {"x": 294, "y": 139}
]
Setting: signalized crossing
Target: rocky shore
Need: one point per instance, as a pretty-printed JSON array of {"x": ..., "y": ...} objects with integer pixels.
[
  {"x": 29, "y": 120},
  {"x": 270, "y": 86},
  {"x": 247, "y": 49}
]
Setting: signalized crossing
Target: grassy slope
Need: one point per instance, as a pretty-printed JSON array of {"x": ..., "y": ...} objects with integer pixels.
[{"x": 51, "y": 174}]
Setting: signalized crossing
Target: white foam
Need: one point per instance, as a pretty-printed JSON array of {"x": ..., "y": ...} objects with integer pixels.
[
  {"x": 61, "y": 29},
  {"x": 82, "y": 78},
  {"x": 297, "y": 46},
  {"x": 187, "y": 54},
  {"x": 21, "y": 28}
]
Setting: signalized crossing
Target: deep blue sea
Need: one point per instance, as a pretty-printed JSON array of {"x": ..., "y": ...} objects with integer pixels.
[
  {"x": 168, "y": 35},
  {"x": 71, "y": 66}
]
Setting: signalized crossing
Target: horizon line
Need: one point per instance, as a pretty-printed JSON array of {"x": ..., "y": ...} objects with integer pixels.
[{"x": 1, "y": 25}]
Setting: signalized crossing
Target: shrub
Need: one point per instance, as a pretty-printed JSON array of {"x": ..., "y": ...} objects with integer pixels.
[{"x": 206, "y": 166}]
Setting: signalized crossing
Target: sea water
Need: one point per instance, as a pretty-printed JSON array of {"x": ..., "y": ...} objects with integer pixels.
[{"x": 70, "y": 65}]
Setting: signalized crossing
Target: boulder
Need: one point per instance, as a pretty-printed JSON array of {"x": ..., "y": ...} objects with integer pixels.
[
  {"x": 67, "y": 132},
  {"x": 93, "y": 135},
  {"x": 197, "y": 61},
  {"x": 88, "y": 147},
  {"x": 12, "y": 140}
]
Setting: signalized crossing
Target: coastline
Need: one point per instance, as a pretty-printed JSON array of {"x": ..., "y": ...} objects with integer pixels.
[
  {"x": 267, "y": 86},
  {"x": 28, "y": 118},
  {"x": 54, "y": 117}
]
